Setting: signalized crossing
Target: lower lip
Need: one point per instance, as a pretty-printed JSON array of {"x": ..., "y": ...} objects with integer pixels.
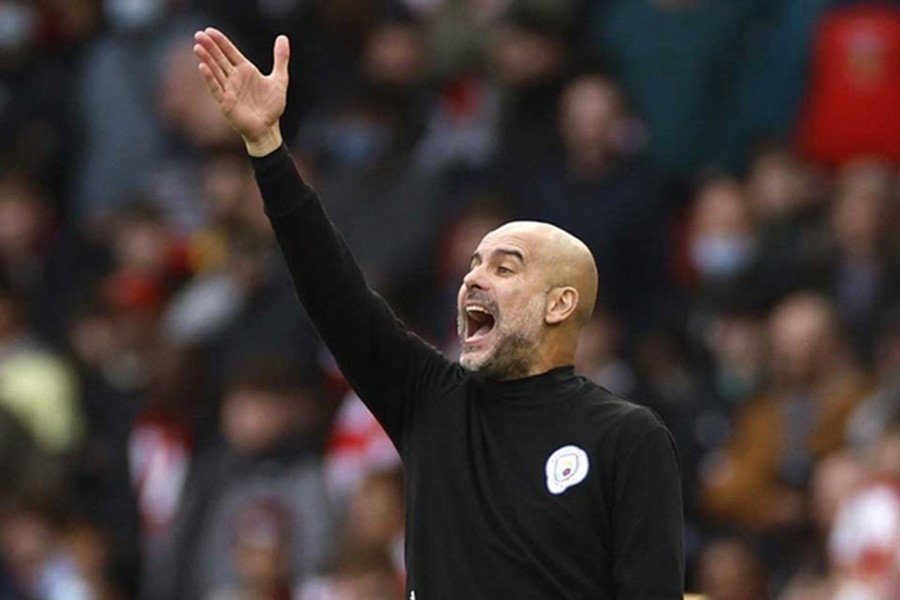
[{"x": 478, "y": 340}]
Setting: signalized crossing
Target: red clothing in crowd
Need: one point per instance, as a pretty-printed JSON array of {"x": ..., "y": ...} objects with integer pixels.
[{"x": 851, "y": 109}]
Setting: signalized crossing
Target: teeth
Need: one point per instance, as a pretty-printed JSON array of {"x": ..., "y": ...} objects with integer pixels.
[{"x": 479, "y": 309}]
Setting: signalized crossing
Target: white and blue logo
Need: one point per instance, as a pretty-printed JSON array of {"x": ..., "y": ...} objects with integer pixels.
[{"x": 566, "y": 467}]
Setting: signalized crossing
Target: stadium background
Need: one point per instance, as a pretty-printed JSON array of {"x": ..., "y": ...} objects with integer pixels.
[{"x": 170, "y": 426}]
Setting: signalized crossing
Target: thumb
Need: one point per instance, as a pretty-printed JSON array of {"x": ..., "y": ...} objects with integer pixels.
[{"x": 282, "y": 54}]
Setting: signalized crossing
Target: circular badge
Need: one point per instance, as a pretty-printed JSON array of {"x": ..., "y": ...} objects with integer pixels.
[{"x": 566, "y": 467}]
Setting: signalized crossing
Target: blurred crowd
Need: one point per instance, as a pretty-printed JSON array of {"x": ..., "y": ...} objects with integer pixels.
[{"x": 171, "y": 427}]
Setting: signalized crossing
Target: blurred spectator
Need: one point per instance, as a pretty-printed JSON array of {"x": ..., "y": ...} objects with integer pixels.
[
  {"x": 263, "y": 316},
  {"x": 838, "y": 476},
  {"x": 787, "y": 208},
  {"x": 143, "y": 245},
  {"x": 860, "y": 273},
  {"x": 460, "y": 138},
  {"x": 849, "y": 112},
  {"x": 361, "y": 151},
  {"x": 375, "y": 514},
  {"x": 93, "y": 551},
  {"x": 377, "y": 196},
  {"x": 270, "y": 428},
  {"x": 606, "y": 197},
  {"x": 195, "y": 126},
  {"x": 120, "y": 78},
  {"x": 870, "y": 417},
  {"x": 162, "y": 444},
  {"x": 356, "y": 447},
  {"x": 762, "y": 477},
  {"x": 41, "y": 563},
  {"x": 393, "y": 65},
  {"x": 529, "y": 58},
  {"x": 369, "y": 562},
  {"x": 729, "y": 569},
  {"x": 36, "y": 385},
  {"x": 735, "y": 338},
  {"x": 261, "y": 547},
  {"x": 34, "y": 85},
  {"x": 723, "y": 247},
  {"x": 25, "y": 244},
  {"x": 779, "y": 185},
  {"x": 240, "y": 301},
  {"x": 865, "y": 540}
]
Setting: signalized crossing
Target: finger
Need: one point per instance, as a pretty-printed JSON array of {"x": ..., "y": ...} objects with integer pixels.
[
  {"x": 212, "y": 84},
  {"x": 281, "y": 56},
  {"x": 211, "y": 64},
  {"x": 230, "y": 50},
  {"x": 213, "y": 49}
]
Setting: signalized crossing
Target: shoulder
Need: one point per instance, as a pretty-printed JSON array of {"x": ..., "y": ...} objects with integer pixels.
[
  {"x": 618, "y": 411},
  {"x": 624, "y": 423}
]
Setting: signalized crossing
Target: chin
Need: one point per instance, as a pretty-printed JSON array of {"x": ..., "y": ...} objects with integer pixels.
[
  {"x": 475, "y": 361},
  {"x": 493, "y": 365}
]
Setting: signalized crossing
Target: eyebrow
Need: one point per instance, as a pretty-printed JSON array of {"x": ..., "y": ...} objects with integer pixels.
[{"x": 501, "y": 251}]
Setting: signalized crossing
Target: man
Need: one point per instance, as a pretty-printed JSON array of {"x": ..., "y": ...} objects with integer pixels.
[
  {"x": 523, "y": 480},
  {"x": 761, "y": 480}
]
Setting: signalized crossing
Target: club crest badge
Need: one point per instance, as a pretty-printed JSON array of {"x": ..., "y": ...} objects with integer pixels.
[{"x": 566, "y": 467}]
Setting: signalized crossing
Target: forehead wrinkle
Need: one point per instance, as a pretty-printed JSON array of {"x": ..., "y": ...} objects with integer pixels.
[
  {"x": 515, "y": 253},
  {"x": 506, "y": 244},
  {"x": 493, "y": 254}
]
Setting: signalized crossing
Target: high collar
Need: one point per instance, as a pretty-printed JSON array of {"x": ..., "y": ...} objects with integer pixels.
[{"x": 546, "y": 387}]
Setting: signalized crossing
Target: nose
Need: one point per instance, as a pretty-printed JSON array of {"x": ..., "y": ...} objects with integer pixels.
[{"x": 475, "y": 279}]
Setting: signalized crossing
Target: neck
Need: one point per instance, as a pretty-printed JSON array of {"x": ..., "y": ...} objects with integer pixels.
[
  {"x": 554, "y": 352},
  {"x": 548, "y": 365}
]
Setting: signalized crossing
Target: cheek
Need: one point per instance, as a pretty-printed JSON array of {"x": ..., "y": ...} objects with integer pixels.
[{"x": 512, "y": 303}]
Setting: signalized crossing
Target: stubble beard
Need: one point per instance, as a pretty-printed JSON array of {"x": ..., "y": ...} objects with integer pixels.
[{"x": 516, "y": 348}]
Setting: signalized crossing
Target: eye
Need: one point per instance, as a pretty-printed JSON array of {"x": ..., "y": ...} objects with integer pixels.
[{"x": 501, "y": 270}]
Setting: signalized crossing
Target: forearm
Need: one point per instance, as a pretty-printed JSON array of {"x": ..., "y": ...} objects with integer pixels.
[
  {"x": 379, "y": 358},
  {"x": 326, "y": 277}
]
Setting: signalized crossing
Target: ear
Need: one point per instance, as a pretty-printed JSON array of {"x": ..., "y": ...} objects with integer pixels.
[{"x": 561, "y": 303}]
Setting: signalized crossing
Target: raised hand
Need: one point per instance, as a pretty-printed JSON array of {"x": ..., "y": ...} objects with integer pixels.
[{"x": 252, "y": 102}]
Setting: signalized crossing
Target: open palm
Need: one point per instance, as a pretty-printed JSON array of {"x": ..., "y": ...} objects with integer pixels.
[{"x": 252, "y": 102}]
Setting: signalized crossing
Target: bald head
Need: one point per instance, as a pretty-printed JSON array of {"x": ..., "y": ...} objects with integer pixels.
[
  {"x": 530, "y": 288},
  {"x": 560, "y": 257}
]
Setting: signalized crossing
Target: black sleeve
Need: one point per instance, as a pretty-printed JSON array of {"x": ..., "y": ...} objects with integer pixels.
[
  {"x": 387, "y": 366},
  {"x": 648, "y": 524}
]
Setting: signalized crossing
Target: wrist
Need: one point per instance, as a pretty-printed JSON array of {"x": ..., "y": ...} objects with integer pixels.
[{"x": 265, "y": 144}]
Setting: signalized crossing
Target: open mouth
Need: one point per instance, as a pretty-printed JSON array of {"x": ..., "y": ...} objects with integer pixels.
[{"x": 479, "y": 323}]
